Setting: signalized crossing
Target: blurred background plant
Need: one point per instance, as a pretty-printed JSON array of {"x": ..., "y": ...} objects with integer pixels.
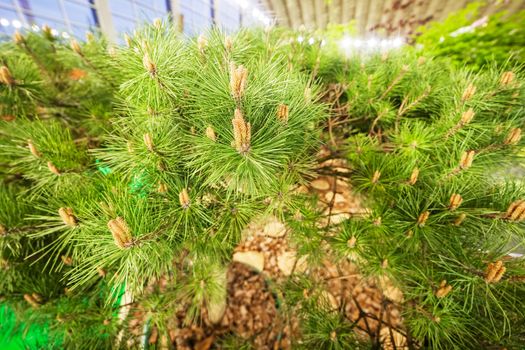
[{"x": 467, "y": 38}]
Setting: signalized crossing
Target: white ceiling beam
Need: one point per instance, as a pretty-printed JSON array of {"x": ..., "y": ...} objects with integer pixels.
[
  {"x": 398, "y": 16},
  {"x": 308, "y": 14},
  {"x": 387, "y": 15},
  {"x": 321, "y": 13},
  {"x": 332, "y": 12},
  {"x": 412, "y": 15},
  {"x": 345, "y": 11},
  {"x": 281, "y": 12},
  {"x": 361, "y": 11},
  {"x": 291, "y": 11},
  {"x": 435, "y": 8},
  {"x": 374, "y": 15}
]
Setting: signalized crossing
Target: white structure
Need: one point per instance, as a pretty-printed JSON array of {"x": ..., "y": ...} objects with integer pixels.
[{"x": 114, "y": 17}]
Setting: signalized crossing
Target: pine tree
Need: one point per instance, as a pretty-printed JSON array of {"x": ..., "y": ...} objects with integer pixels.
[
  {"x": 432, "y": 152},
  {"x": 201, "y": 134},
  {"x": 248, "y": 191}
]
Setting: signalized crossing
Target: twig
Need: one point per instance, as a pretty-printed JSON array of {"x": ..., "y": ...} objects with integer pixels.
[{"x": 394, "y": 82}]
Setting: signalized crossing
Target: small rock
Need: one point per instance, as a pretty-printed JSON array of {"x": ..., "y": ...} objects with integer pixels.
[
  {"x": 337, "y": 198},
  {"x": 286, "y": 262},
  {"x": 338, "y": 218},
  {"x": 274, "y": 228},
  {"x": 320, "y": 184},
  {"x": 217, "y": 306},
  {"x": 250, "y": 258}
]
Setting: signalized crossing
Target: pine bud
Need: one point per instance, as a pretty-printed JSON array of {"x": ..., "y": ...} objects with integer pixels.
[
  {"x": 149, "y": 65},
  {"x": 184, "y": 198},
  {"x": 384, "y": 264},
  {"x": 377, "y": 221},
  {"x": 112, "y": 51},
  {"x": 516, "y": 211},
  {"x": 37, "y": 297},
  {"x": 421, "y": 60},
  {"x": 494, "y": 272},
  {"x": 4, "y": 264},
  {"x": 413, "y": 177},
  {"x": 18, "y": 38},
  {"x": 6, "y": 77},
  {"x": 3, "y": 230},
  {"x": 202, "y": 43},
  {"x": 33, "y": 149},
  {"x": 513, "y": 137},
  {"x": 333, "y": 336},
  {"x": 466, "y": 159},
  {"x": 120, "y": 231},
  {"x": 8, "y": 117},
  {"x": 376, "y": 176},
  {"x": 127, "y": 39},
  {"x": 228, "y": 43},
  {"x": 308, "y": 95},
  {"x": 283, "y": 112},
  {"x": 210, "y": 133},
  {"x": 67, "y": 216},
  {"x": 53, "y": 168},
  {"x": 422, "y": 219},
  {"x": 148, "y": 141},
  {"x": 77, "y": 74},
  {"x": 443, "y": 290},
  {"x": 101, "y": 272},
  {"x": 467, "y": 116},
  {"x": 241, "y": 132},
  {"x": 157, "y": 23},
  {"x": 163, "y": 188},
  {"x": 460, "y": 219},
  {"x": 507, "y": 78},
  {"x": 31, "y": 301},
  {"x": 75, "y": 46},
  {"x": 67, "y": 260},
  {"x": 469, "y": 92},
  {"x": 455, "y": 201},
  {"x": 238, "y": 76},
  {"x": 351, "y": 242},
  {"x": 48, "y": 33},
  {"x": 90, "y": 37}
]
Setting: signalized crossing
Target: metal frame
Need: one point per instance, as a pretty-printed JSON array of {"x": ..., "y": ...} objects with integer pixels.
[{"x": 103, "y": 16}]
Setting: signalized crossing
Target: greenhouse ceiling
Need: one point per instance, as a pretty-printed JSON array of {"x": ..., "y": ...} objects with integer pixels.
[{"x": 395, "y": 17}]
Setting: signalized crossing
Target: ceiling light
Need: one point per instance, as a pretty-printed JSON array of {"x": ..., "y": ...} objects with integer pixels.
[
  {"x": 398, "y": 42},
  {"x": 16, "y": 23},
  {"x": 4, "y": 22},
  {"x": 346, "y": 42},
  {"x": 372, "y": 43}
]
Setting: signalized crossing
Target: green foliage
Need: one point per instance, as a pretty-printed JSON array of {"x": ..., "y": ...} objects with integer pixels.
[
  {"x": 407, "y": 114},
  {"x": 139, "y": 177},
  {"x": 119, "y": 203},
  {"x": 500, "y": 41}
]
